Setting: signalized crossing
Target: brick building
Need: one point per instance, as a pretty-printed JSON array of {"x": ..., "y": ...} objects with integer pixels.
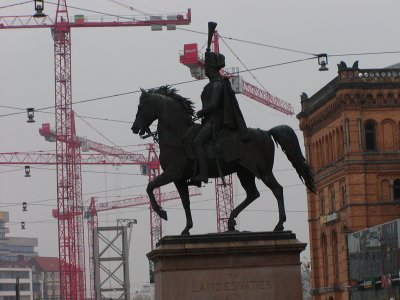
[{"x": 351, "y": 133}]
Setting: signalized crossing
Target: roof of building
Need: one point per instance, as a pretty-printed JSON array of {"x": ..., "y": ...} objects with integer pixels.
[
  {"x": 350, "y": 78},
  {"x": 395, "y": 66},
  {"x": 20, "y": 263},
  {"x": 46, "y": 264}
]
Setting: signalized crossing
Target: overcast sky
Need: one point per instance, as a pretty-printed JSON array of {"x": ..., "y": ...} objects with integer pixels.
[{"x": 110, "y": 61}]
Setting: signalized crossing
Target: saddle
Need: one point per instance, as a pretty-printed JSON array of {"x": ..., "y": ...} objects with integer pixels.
[{"x": 227, "y": 146}]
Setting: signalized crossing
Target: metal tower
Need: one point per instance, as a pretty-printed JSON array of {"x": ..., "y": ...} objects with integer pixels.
[{"x": 69, "y": 183}]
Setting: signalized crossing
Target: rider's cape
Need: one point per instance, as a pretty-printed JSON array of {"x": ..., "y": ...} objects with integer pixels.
[{"x": 232, "y": 115}]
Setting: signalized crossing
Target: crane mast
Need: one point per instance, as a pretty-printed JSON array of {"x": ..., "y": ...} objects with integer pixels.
[
  {"x": 69, "y": 176},
  {"x": 68, "y": 163}
]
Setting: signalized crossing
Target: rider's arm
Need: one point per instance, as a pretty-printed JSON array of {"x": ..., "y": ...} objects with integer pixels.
[{"x": 216, "y": 97}]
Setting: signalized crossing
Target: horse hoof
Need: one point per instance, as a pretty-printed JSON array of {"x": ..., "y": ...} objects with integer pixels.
[
  {"x": 279, "y": 227},
  {"x": 162, "y": 214},
  {"x": 231, "y": 225},
  {"x": 185, "y": 232}
]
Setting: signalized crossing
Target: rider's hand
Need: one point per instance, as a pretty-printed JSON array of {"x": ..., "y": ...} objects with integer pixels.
[{"x": 200, "y": 114}]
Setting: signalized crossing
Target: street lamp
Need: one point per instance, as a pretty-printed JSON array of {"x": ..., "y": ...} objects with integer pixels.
[
  {"x": 27, "y": 171},
  {"x": 39, "y": 6},
  {"x": 31, "y": 114},
  {"x": 323, "y": 61}
]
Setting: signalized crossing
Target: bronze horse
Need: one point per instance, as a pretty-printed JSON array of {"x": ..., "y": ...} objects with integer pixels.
[{"x": 175, "y": 117}]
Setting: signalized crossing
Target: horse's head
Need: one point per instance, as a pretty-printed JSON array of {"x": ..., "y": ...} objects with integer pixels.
[{"x": 145, "y": 116}]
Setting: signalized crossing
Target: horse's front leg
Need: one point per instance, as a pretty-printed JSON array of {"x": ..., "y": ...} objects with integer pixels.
[
  {"x": 160, "y": 180},
  {"x": 183, "y": 191}
]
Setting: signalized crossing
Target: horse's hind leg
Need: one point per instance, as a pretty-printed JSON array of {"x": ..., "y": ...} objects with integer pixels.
[
  {"x": 277, "y": 189},
  {"x": 183, "y": 191},
  {"x": 247, "y": 181}
]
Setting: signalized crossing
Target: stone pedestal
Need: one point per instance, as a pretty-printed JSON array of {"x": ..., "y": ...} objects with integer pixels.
[{"x": 228, "y": 266}]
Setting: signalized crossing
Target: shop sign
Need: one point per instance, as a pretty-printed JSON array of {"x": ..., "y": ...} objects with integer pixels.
[{"x": 328, "y": 218}]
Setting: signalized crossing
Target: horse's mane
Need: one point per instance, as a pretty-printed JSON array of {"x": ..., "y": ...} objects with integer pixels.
[{"x": 171, "y": 92}]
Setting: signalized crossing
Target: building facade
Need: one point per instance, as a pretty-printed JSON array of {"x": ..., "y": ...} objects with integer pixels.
[
  {"x": 46, "y": 275},
  {"x": 13, "y": 247},
  {"x": 8, "y": 283},
  {"x": 351, "y": 133}
]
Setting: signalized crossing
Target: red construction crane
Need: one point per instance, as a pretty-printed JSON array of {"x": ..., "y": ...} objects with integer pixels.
[
  {"x": 192, "y": 58},
  {"x": 68, "y": 164},
  {"x": 112, "y": 158},
  {"x": 95, "y": 207},
  {"x": 150, "y": 166}
]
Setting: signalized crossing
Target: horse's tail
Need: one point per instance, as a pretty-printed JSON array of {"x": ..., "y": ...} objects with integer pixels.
[{"x": 285, "y": 136}]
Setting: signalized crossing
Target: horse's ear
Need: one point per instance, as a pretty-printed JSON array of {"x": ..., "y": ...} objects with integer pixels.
[{"x": 143, "y": 91}]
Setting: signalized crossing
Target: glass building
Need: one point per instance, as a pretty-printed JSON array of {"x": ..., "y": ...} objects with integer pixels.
[{"x": 374, "y": 262}]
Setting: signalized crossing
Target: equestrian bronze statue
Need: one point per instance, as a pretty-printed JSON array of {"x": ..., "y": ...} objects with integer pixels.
[{"x": 222, "y": 144}]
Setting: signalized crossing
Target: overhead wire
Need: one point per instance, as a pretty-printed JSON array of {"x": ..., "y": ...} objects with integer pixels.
[
  {"x": 16, "y": 4},
  {"x": 175, "y": 206},
  {"x": 129, "y": 7},
  {"x": 242, "y": 63},
  {"x": 250, "y": 42},
  {"x": 196, "y": 80},
  {"x": 102, "y": 135},
  {"x": 83, "y": 171},
  {"x": 84, "y": 194}
]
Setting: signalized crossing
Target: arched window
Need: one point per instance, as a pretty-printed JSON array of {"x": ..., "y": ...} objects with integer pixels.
[
  {"x": 322, "y": 203},
  {"x": 370, "y": 136},
  {"x": 335, "y": 256},
  {"x": 396, "y": 190},
  {"x": 324, "y": 246},
  {"x": 333, "y": 206},
  {"x": 344, "y": 195}
]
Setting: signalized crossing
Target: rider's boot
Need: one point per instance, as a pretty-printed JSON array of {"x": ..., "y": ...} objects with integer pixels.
[{"x": 202, "y": 163}]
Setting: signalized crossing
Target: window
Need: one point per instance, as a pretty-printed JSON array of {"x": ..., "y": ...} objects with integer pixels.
[
  {"x": 396, "y": 190},
  {"x": 324, "y": 246},
  {"x": 333, "y": 206},
  {"x": 322, "y": 203},
  {"x": 344, "y": 195},
  {"x": 335, "y": 256},
  {"x": 370, "y": 138},
  {"x": 347, "y": 131}
]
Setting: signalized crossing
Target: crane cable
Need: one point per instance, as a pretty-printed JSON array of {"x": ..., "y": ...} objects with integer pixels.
[
  {"x": 247, "y": 69},
  {"x": 129, "y": 7}
]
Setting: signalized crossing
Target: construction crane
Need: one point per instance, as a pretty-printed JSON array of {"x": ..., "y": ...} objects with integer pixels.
[
  {"x": 149, "y": 166},
  {"x": 68, "y": 163},
  {"x": 125, "y": 158},
  {"x": 96, "y": 207},
  {"x": 194, "y": 59}
]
